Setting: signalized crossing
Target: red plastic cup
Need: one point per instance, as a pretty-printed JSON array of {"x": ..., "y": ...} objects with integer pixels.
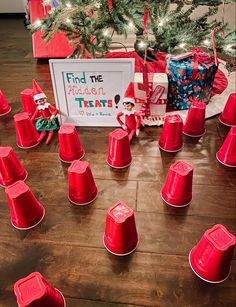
[
  {"x": 227, "y": 153},
  {"x": 70, "y": 148},
  {"x": 11, "y": 169},
  {"x": 82, "y": 188},
  {"x": 4, "y": 106},
  {"x": 171, "y": 139},
  {"x": 119, "y": 154},
  {"x": 35, "y": 291},
  {"x": 120, "y": 237},
  {"x": 26, "y": 211},
  {"x": 177, "y": 189},
  {"x": 195, "y": 122},
  {"x": 228, "y": 116},
  {"x": 26, "y": 134},
  {"x": 27, "y": 100},
  {"x": 210, "y": 259}
]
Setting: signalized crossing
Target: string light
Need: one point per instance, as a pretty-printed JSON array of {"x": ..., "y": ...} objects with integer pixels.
[
  {"x": 105, "y": 32},
  {"x": 142, "y": 45},
  {"x": 68, "y": 4},
  {"x": 131, "y": 25},
  {"x": 161, "y": 23},
  {"x": 206, "y": 42},
  {"x": 68, "y": 20},
  {"x": 38, "y": 22},
  {"x": 182, "y": 45},
  {"x": 229, "y": 47}
]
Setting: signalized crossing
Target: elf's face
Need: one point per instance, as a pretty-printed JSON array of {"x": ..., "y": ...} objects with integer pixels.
[
  {"x": 128, "y": 106},
  {"x": 41, "y": 101}
]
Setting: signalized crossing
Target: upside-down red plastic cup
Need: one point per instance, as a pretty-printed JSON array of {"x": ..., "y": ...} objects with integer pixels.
[
  {"x": 26, "y": 134},
  {"x": 82, "y": 188},
  {"x": 11, "y": 169},
  {"x": 70, "y": 148},
  {"x": 27, "y": 100},
  {"x": 4, "y": 106},
  {"x": 211, "y": 258},
  {"x": 195, "y": 122},
  {"x": 35, "y": 291},
  {"x": 120, "y": 237},
  {"x": 119, "y": 154},
  {"x": 177, "y": 189},
  {"x": 227, "y": 153},
  {"x": 171, "y": 138},
  {"x": 228, "y": 116},
  {"x": 26, "y": 211}
]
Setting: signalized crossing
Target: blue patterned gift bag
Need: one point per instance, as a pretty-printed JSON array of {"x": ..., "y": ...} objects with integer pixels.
[{"x": 190, "y": 78}]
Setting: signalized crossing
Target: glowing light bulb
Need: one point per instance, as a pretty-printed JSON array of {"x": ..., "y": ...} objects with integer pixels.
[
  {"x": 142, "y": 45},
  {"x": 68, "y": 20},
  {"x": 38, "y": 22},
  {"x": 182, "y": 45},
  {"x": 206, "y": 42},
  {"x": 68, "y": 4},
  {"x": 106, "y": 32},
  {"x": 161, "y": 23},
  {"x": 229, "y": 47},
  {"x": 131, "y": 25}
]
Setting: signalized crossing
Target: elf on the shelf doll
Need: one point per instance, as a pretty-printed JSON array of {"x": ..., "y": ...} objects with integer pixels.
[
  {"x": 45, "y": 114},
  {"x": 132, "y": 118}
]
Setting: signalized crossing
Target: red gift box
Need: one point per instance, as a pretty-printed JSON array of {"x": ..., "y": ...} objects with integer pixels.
[{"x": 58, "y": 47}]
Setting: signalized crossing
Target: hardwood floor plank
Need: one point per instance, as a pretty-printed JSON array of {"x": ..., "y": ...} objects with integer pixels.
[
  {"x": 83, "y": 273},
  {"x": 215, "y": 201}
]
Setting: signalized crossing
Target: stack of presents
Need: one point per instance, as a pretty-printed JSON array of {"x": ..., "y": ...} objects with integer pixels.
[{"x": 184, "y": 79}]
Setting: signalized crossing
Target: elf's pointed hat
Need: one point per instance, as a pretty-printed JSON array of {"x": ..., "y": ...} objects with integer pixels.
[
  {"x": 129, "y": 94},
  {"x": 38, "y": 93}
]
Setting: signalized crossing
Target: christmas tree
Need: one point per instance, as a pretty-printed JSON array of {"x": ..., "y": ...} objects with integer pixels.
[{"x": 161, "y": 25}]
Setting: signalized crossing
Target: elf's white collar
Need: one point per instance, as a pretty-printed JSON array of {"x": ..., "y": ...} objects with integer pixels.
[
  {"x": 126, "y": 112},
  {"x": 43, "y": 106}
]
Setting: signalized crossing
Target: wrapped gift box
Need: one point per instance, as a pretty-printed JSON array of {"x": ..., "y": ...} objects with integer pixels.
[
  {"x": 58, "y": 47},
  {"x": 190, "y": 80},
  {"x": 158, "y": 85}
]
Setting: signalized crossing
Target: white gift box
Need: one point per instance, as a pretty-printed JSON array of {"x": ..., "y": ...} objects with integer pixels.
[{"x": 158, "y": 83}]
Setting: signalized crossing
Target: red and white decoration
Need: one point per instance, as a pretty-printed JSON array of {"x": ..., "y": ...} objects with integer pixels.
[{"x": 155, "y": 106}]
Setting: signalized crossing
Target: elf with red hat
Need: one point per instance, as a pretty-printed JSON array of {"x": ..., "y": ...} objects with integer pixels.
[
  {"x": 45, "y": 114},
  {"x": 132, "y": 118}
]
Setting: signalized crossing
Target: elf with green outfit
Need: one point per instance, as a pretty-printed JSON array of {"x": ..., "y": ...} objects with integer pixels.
[{"x": 45, "y": 114}]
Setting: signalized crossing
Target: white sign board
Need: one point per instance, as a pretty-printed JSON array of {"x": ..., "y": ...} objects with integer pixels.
[{"x": 90, "y": 92}]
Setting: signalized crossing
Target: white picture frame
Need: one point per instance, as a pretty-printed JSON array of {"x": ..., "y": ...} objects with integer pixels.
[{"x": 86, "y": 91}]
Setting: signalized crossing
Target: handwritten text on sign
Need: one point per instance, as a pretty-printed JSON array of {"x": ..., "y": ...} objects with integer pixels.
[
  {"x": 92, "y": 94},
  {"x": 89, "y": 92}
]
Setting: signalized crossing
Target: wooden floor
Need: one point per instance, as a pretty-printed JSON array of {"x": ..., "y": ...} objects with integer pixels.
[{"x": 67, "y": 247}]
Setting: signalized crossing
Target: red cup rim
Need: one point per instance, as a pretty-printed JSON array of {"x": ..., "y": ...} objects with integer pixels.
[
  {"x": 223, "y": 162},
  {"x": 209, "y": 281},
  {"x": 169, "y": 150},
  {"x": 6, "y": 112},
  {"x": 72, "y": 160},
  {"x": 62, "y": 296},
  {"x": 5, "y": 186},
  {"x": 176, "y": 206},
  {"x": 120, "y": 255},
  {"x": 30, "y": 226},
  {"x": 27, "y": 147},
  {"x": 194, "y": 136},
  {"x": 83, "y": 204},
  {"x": 221, "y": 121},
  {"x": 119, "y": 166}
]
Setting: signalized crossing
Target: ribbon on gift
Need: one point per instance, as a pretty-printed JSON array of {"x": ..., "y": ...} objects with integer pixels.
[
  {"x": 199, "y": 56},
  {"x": 145, "y": 19},
  {"x": 145, "y": 108},
  {"x": 110, "y": 4}
]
